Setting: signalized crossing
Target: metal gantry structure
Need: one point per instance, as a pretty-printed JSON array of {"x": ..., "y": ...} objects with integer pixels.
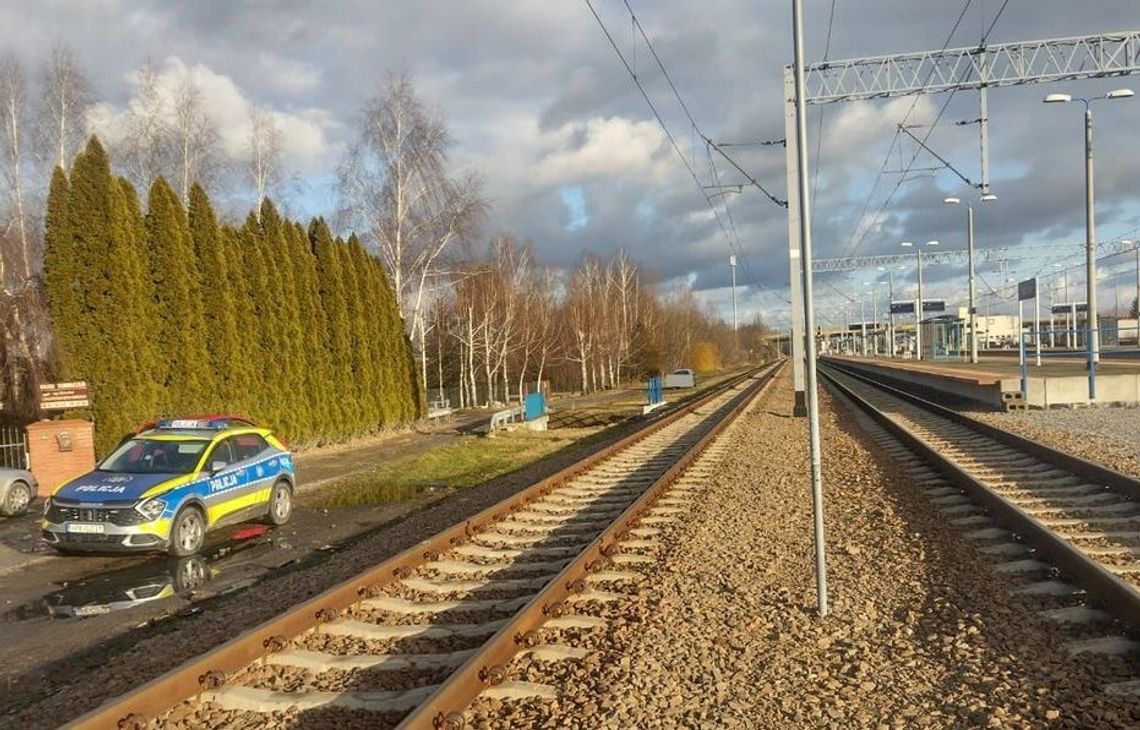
[
  {"x": 961, "y": 256},
  {"x": 1005, "y": 64},
  {"x": 1102, "y": 55}
]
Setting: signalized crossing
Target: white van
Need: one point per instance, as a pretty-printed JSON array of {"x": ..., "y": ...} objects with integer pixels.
[{"x": 683, "y": 378}]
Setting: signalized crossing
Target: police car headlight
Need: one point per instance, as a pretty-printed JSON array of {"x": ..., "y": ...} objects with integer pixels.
[
  {"x": 47, "y": 506},
  {"x": 151, "y": 509}
]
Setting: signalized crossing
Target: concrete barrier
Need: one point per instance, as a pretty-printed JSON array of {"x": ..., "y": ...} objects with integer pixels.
[{"x": 1073, "y": 390}]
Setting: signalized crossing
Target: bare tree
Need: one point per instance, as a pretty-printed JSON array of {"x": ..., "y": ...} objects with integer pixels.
[
  {"x": 144, "y": 150},
  {"x": 13, "y": 86},
  {"x": 196, "y": 138},
  {"x": 67, "y": 96},
  {"x": 264, "y": 163},
  {"x": 394, "y": 183}
]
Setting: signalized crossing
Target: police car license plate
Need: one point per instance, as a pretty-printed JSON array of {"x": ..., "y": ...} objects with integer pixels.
[
  {"x": 93, "y": 528},
  {"x": 92, "y": 610}
]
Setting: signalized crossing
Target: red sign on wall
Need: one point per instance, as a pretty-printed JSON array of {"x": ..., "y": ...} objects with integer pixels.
[{"x": 64, "y": 396}]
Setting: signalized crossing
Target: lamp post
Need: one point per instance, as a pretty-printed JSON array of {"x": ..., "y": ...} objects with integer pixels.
[
  {"x": 1090, "y": 224},
  {"x": 918, "y": 304},
  {"x": 986, "y": 198}
]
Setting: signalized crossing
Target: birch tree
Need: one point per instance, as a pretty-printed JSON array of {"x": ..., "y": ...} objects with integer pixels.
[
  {"x": 13, "y": 87},
  {"x": 67, "y": 96},
  {"x": 395, "y": 184},
  {"x": 145, "y": 150},
  {"x": 195, "y": 137},
  {"x": 264, "y": 161}
]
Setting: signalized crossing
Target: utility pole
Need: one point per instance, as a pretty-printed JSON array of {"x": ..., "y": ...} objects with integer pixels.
[
  {"x": 918, "y": 313},
  {"x": 1037, "y": 319},
  {"x": 1090, "y": 260},
  {"x": 1136, "y": 248},
  {"x": 863, "y": 322},
  {"x": 891, "y": 314},
  {"x": 875, "y": 319},
  {"x": 972, "y": 318},
  {"x": 732, "y": 264},
  {"x": 809, "y": 312}
]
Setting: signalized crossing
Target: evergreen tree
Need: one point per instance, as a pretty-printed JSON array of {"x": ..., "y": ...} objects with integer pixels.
[
  {"x": 262, "y": 293},
  {"x": 364, "y": 414},
  {"x": 244, "y": 266},
  {"x": 299, "y": 331},
  {"x": 223, "y": 344},
  {"x": 139, "y": 312},
  {"x": 61, "y": 269},
  {"x": 315, "y": 394},
  {"x": 179, "y": 321},
  {"x": 369, "y": 337},
  {"x": 407, "y": 392},
  {"x": 288, "y": 353},
  {"x": 330, "y": 288},
  {"x": 101, "y": 336}
]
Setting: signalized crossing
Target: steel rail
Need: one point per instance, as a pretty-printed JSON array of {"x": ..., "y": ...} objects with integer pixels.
[
  {"x": 1118, "y": 597},
  {"x": 488, "y": 666},
  {"x": 210, "y": 670}
]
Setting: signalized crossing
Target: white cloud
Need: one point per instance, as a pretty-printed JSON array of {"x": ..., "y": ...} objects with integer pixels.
[
  {"x": 305, "y": 133},
  {"x": 612, "y": 147}
]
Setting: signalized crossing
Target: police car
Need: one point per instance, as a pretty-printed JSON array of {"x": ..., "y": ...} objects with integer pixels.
[{"x": 165, "y": 487}]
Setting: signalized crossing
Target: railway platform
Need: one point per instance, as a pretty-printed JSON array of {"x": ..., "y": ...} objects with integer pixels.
[{"x": 995, "y": 381}]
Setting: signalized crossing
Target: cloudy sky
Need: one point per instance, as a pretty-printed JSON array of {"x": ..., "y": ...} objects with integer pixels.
[{"x": 573, "y": 159}]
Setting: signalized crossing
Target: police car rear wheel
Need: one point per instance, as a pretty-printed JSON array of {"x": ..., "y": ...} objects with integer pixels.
[
  {"x": 187, "y": 533},
  {"x": 280, "y": 503}
]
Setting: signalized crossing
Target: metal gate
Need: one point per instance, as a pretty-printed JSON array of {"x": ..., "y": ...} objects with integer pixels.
[{"x": 13, "y": 447}]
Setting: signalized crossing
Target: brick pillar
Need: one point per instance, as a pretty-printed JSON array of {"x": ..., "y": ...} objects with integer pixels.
[{"x": 52, "y": 461}]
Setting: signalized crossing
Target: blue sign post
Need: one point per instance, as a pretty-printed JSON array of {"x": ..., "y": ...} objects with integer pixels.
[
  {"x": 654, "y": 391},
  {"x": 534, "y": 406}
]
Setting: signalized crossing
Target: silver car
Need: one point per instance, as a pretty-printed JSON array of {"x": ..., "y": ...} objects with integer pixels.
[{"x": 17, "y": 490}]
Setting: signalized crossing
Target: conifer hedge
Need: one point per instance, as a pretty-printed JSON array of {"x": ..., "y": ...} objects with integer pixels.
[{"x": 168, "y": 313}]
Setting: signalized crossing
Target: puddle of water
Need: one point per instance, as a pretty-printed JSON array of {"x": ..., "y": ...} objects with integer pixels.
[{"x": 156, "y": 579}]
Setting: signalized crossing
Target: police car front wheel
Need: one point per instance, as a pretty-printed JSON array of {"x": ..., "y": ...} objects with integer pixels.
[{"x": 187, "y": 533}]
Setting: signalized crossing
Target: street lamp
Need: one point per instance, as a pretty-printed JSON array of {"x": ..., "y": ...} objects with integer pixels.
[
  {"x": 1090, "y": 223},
  {"x": 986, "y": 198}
]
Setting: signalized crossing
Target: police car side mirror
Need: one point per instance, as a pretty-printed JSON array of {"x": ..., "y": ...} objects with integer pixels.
[{"x": 217, "y": 466}]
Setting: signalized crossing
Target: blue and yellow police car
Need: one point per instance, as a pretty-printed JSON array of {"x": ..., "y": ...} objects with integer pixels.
[{"x": 169, "y": 484}]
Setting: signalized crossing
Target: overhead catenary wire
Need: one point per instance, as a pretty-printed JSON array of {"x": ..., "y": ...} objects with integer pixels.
[
  {"x": 696, "y": 128},
  {"x": 692, "y": 120},
  {"x": 822, "y": 109},
  {"x": 689, "y": 114},
  {"x": 733, "y": 244},
  {"x": 986, "y": 35},
  {"x": 659, "y": 118},
  {"x": 714, "y": 173},
  {"x": 852, "y": 243}
]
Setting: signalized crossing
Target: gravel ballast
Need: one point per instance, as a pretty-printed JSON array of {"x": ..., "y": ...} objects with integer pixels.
[
  {"x": 1107, "y": 436},
  {"x": 724, "y": 632}
]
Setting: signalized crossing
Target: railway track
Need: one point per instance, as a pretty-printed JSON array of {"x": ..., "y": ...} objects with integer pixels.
[
  {"x": 413, "y": 641},
  {"x": 1065, "y": 529}
]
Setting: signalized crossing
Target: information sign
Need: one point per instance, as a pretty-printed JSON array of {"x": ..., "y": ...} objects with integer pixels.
[{"x": 64, "y": 396}]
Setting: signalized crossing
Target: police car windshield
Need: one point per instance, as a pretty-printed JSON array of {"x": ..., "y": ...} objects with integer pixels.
[{"x": 144, "y": 456}]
